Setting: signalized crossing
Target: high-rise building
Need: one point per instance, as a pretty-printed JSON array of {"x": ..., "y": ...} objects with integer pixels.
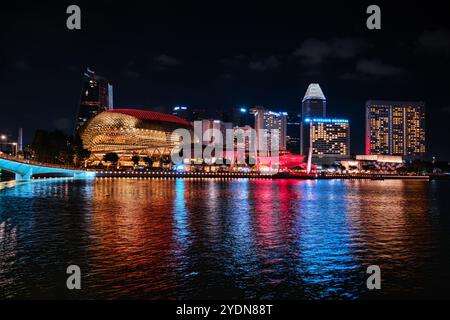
[
  {"x": 210, "y": 124},
  {"x": 184, "y": 112},
  {"x": 395, "y": 128},
  {"x": 314, "y": 105},
  {"x": 240, "y": 116},
  {"x": 243, "y": 139},
  {"x": 96, "y": 96},
  {"x": 329, "y": 139},
  {"x": 270, "y": 121},
  {"x": 293, "y": 133},
  {"x": 20, "y": 140}
]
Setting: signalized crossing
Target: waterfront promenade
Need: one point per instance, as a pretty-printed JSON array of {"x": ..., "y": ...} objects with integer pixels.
[{"x": 43, "y": 171}]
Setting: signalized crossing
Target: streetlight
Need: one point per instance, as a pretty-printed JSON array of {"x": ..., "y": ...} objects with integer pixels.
[{"x": 4, "y": 138}]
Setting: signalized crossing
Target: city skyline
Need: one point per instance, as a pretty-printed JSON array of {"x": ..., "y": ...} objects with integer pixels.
[
  {"x": 225, "y": 159},
  {"x": 201, "y": 68},
  {"x": 96, "y": 96}
]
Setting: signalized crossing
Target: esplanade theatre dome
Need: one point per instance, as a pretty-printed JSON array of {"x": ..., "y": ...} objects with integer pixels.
[{"x": 131, "y": 131}]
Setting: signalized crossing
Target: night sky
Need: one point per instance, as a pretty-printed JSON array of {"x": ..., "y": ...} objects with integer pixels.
[{"x": 217, "y": 55}]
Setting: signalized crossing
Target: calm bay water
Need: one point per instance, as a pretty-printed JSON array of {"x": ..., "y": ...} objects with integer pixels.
[{"x": 195, "y": 239}]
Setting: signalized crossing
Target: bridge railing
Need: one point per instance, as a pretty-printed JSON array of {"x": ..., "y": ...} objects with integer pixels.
[{"x": 37, "y": 163}]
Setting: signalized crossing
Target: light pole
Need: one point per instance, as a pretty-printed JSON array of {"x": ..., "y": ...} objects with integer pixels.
[{"x": 3, "y": 138}]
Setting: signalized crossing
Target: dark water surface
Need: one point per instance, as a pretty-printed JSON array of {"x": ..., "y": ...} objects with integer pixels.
[{"x": 262, "y": 239}]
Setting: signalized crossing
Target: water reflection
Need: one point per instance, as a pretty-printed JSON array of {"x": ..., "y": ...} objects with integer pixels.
[
  {"x": 326, "y": 259},
  {"x": 214, "y": 238},
  {"x": 180, "y": 215}
]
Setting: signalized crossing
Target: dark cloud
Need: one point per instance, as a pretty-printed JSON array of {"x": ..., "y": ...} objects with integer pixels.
[
  {"x": 63, "y": 124},
  {"x": 132, "y": 74},
  {"x": 163, "y": 61},
  {"x": 348, "y": 48},
  {"x": 376, "y": 67},
  {"x": 233, "y": 61},
  {"x": 313, "y": 52},
  {"x": 446, "y": 109},
  {"x": 227, "y": 76},
  {"x": 349, "y": 76},
  {"x": 20, "y": 65},
  {"x": 271, "y": 62},
  {"x": 437, "y": 41}
]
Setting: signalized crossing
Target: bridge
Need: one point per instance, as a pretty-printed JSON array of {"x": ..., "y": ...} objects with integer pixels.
[{"x": 26, "y": 169}]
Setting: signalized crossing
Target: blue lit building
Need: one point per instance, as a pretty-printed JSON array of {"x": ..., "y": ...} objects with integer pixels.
[{"x": 329, "y": 139}]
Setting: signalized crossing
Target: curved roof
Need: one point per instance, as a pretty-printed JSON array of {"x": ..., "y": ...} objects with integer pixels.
[
  {"x": 314, "y": 92},
  {"x": 151, "y": 116}
]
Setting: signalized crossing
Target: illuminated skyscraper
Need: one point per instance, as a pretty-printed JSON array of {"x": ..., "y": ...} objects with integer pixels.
[
  {"x": 208, "y": 135},
  {"x": 314, "y": 105},
  {"x": 329, "y": 139},
  {"x": 242, "y": 138},
  {"x": 270, "y": 121},
  {"x": 395, "y": 128},
  {"x": 96, "y": 96}
]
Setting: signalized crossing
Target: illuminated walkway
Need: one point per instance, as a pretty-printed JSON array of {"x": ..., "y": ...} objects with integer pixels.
[{"x": 25, "y": 169}]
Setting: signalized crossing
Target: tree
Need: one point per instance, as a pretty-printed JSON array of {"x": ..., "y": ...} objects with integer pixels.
[
  {"x": 28, "y": 152},
  {"x": 52, "y": 147},
  {"x": 148, "y": 161},
  {"x": 166, "y": 160},
  {"x": 112, "y": 158},
  {"x": 80, "y": 154},
  {"x": 135, "y": 159}
]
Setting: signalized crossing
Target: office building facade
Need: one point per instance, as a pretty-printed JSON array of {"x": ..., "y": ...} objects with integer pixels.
[
  {"x": 268, "y": 123},
  {"x": 96, "y": 96},
  {"x": 329, "y": 139},
  {"x": 314, "y": 105},
  {"x": 208, "y": 128},
  {"x": 244, "y": 138},
  {"x": 395, "y": 128},
  {"x": 293, "y": 133}
]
